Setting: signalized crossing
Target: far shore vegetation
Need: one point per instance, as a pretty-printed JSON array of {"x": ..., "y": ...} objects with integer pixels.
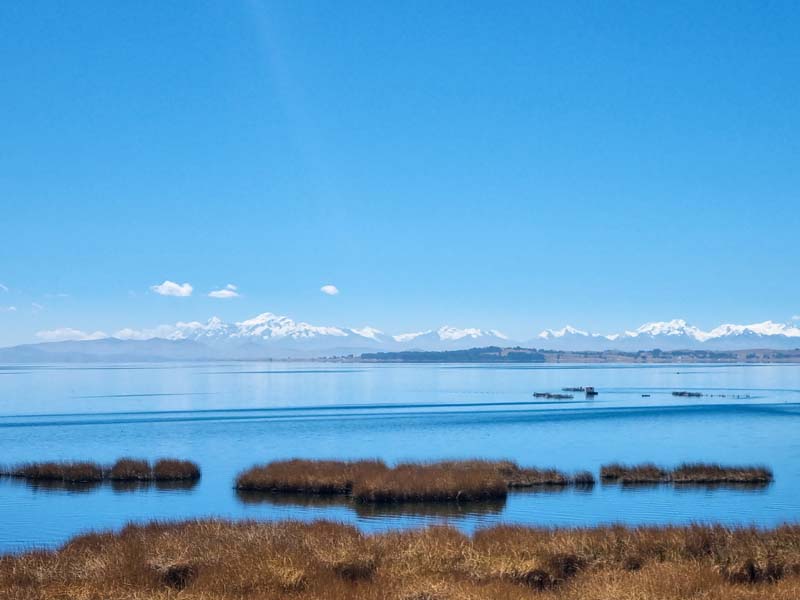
[
  {"x": 223, "y": 560},
  {"x": 517, "y": 354}
]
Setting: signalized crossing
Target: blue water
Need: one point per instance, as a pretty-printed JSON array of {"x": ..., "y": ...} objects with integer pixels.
[{"x": 229, "y": 416}]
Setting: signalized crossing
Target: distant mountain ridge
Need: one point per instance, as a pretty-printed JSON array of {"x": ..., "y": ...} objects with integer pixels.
[
  {"x": 674, "y": 335},
  {"x": 268, "y": 335}
]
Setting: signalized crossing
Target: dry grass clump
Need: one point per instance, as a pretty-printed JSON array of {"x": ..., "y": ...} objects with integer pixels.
[
  {"x": 170, "y": 469},
  {"x": 433, "y": 482},
  {"x": 69, "y": 472},
  {"x": 583, "y": 478},
  {"x": 644, "y": 473},
  {"x": 714, "y": 473},
  {"x": 298, "y": 476},
  {"x": 699, "y": 473},
  {"x": 219, "y": 560},
  {"x": 130, "y": 469}
]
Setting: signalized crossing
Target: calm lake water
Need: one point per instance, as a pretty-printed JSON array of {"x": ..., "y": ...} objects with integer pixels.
[{"x": 229, "y": 416}]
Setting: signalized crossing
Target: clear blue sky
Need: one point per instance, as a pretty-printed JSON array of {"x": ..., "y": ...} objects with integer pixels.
[{"x": 513, "y": 165}]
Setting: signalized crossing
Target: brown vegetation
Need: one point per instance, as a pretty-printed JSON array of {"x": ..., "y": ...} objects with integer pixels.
[
  {"x": 217, "y": 560},
  {"x": 69, "y": 472},
  {"x": 124, "y": 470},
  {"x": 374, "y": 481},
  {"x": 131, "y": 469},
  {"x": 170, "y": 469},
  {"x": 643, "y": 473},
  {"x": 713, "y": 473},
  {"x": 298, "y": 476},
  {"x": 697, "y": 473},
  {"x": 434, "y": 482}
]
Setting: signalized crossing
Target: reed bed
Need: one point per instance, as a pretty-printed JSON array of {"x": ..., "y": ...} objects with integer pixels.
[
  {"x": 435, "y": 482},
  {"x": 297, "y": 476},
  {"x": 69, "y": 472},
  {"x": 713, "y": 473},
  {"x": 374, "y": 481},
  {"x": 220, "y": 560},
  {"x": 123, "y": 470},
  {"x": 131, "y": 469},
  {"x": 693, "y": 473},
  {"x": 643, "y": 473},
  {"x": 170, "y": 469}
]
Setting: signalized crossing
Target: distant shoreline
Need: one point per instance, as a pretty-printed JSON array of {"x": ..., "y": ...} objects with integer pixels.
[{"x": 517, "y": 355}]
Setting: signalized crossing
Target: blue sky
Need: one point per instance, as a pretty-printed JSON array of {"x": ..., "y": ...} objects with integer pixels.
[{"x": 514, "y": 166}]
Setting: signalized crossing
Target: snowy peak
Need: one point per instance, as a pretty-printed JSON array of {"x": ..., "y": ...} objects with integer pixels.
[
  {"x": 370, "y": 333},
  {"x": 560, "y": 333},
  {"x": 454, "y": 333},
  {"x": 674, "y": 327},
  {"x": 408, "y": 337},
  {"x": 765, "y": 328},
  {"x": 673, "y": 335},
  {"x": 269, "y": 326}
]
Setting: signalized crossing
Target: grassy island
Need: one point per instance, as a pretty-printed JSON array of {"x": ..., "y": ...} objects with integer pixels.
[
  {"x": 374, "y": 481},
  {"x": 692, "y": 473},
  {"x": 123, "y": 470}
]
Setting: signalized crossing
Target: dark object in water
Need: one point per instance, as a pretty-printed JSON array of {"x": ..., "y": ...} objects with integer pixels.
[
  {"x": 645, "y": 395},
  {"x": 552, "y": 396},
  {"x": 573, "y": 389},
  {"x": 590, "y": 391},
  {"x": 687, "y": 394}
]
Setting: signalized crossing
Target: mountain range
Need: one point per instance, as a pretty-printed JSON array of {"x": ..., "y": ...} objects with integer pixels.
[{"x": 273, "y": 336}]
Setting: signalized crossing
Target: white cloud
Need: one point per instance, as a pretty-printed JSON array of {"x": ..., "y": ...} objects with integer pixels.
[
  {"x": 329, "y": 289},
  {"x": 229, "y": 291},
  {"x": 3, "y": 288},
  {"x": 170, "y": 288},
  {"x": 64, "y": 334},
  {"x": 8, "y": 309},
  {"x": 795, "y": 317}
]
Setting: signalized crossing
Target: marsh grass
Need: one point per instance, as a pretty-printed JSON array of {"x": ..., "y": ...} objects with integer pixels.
[
  {"x": 373, "y": 481},
  {"x": 124, "y": 470},
  {"x": 131, "y": 469},
  {"x": 219, "y": 560},
  {"x": 69, "y": 472},
  {"x": 686, "y": 473},
  {"x": 434, "y": 482},
  {"x": 297, "y": 476},
  {"x": 170, "y": 469},
  {"x": 714, "y": 473}
]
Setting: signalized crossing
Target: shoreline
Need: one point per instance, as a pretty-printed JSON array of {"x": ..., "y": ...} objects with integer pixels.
[{"x": 222, "y": 559}]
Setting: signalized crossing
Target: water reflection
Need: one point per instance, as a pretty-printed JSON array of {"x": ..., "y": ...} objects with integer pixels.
[
  {"x": 430, "y": 509},
  {"x": 374, "y": 510},
  {"x": 54, "y": 485},
  {"x": 299, "y": 500}
]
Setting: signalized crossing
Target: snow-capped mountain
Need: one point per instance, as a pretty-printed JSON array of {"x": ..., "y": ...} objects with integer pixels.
[
  {"x": 268, "y": 335},
  {"x": 674, "y": 335},
  {"x": 450, "y": 338}
]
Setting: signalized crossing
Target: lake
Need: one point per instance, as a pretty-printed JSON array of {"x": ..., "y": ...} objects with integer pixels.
[{"x": 229, "y": 416}]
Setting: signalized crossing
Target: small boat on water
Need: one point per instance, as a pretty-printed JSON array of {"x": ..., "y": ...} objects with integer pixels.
[
  {"x": 590, "y": 391},
  {"x": 551, "y": 396}
]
